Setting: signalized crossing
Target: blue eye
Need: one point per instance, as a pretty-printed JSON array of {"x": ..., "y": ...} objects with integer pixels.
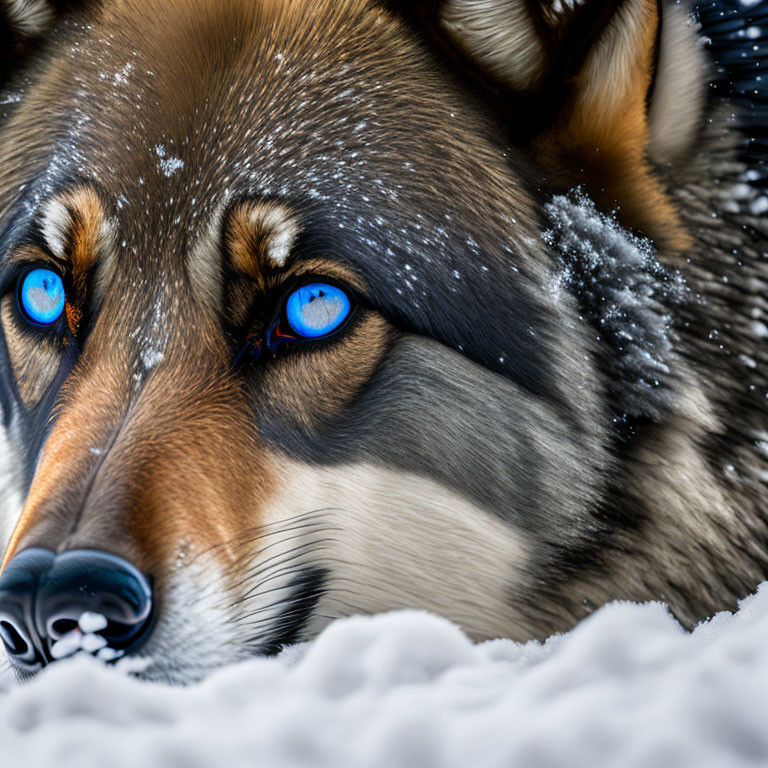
[
  {"x": 42, "y": 296},
  {"x": 317, "y": 309}
]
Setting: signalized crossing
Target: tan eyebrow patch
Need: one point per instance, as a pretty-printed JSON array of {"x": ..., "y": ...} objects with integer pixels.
[
  {"x": 77, "y": 229},
  {"x": 260, "y": 236}
]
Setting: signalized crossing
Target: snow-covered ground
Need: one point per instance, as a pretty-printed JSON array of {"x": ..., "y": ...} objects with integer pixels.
[{"x": 625, "y": 688}]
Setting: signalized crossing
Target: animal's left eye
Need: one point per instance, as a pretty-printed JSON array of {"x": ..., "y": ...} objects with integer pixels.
[
  {"x": 317, "y": 309},
  {"x": 42, "y": 296}
]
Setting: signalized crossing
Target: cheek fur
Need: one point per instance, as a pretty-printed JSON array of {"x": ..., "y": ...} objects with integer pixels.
[
  {"x": 383, "y": 537},
  {"x": 34, "y": 359},
  {"x": 309, "y": 388}
]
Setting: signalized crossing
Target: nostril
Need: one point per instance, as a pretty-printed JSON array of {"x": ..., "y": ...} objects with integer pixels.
[
  {"x": 61, "y": 627},
  {"x": 117, "y": 632},
  {"x": 93, "y": 601},
  {"x": 13, "y": 640},
  {"x": 18, "y": 585},
  {"x": 52, "y": 606}
]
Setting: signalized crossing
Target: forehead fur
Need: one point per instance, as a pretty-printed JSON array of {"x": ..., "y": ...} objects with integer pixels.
[{"x": 331, "y": 109}]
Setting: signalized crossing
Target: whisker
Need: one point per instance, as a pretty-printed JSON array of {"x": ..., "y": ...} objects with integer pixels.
[
  {"x": 271, "y": 578},
  {"x": 263, "y": 577},
  {"x": 265, "y": 565},
  {"x": 288, "y": 557},
  {"x": 285, "y": 601},
  {"x": 263, "y": 530},
  {"x": 284, "y": 614}
]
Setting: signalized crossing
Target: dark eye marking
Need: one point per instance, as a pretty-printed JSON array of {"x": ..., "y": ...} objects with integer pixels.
[{"x": 312, "y": 312}]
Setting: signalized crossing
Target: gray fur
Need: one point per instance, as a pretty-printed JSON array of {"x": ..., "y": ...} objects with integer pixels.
[{"x": 628, "y": 296}]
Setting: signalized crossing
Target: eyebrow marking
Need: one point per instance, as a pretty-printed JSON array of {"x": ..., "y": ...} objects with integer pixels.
[
  {"x": 280, "y": 229},
  {"x": 261, "y": 234},
  {"x": 30, "y": 17},
  {"x": 55, "y": 225},
  {"x": 77, "y": 230}
]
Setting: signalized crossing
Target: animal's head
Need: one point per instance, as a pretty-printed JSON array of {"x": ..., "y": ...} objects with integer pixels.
[{"x": 281, "y": 337}]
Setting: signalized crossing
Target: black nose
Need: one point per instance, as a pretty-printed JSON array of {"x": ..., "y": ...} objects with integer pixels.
[{"x": 52, "y": 606}]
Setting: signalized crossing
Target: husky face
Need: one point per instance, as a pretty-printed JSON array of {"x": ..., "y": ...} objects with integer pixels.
[{"x": 190, "y": 171}]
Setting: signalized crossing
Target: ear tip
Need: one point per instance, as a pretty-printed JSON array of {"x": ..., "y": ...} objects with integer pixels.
[{"x": 500, "y": 37}]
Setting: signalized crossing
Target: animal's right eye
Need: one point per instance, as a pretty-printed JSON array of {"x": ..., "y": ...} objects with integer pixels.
[{"x": 41, "y": 296}]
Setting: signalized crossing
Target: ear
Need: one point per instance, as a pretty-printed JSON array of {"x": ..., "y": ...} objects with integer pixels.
[{"x": 612, "y": 92}]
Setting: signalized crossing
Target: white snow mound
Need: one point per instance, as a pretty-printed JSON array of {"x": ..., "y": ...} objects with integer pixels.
[{"x": 627, "y": 687}]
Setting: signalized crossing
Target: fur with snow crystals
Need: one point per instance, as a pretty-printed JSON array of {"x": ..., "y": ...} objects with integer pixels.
[
  {"x": 488, "y": 440},
  {"x": 626, "y": 294}
]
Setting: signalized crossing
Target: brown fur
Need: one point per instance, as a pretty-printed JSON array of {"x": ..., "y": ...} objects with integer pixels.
[
  {"x": 602, "y": 138},
  {"x": 160, "y": 464},
  {"x": 598, "y": 135}
]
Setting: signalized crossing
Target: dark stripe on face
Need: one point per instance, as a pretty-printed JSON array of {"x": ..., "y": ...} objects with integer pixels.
[{"x": 306, "y": 589}]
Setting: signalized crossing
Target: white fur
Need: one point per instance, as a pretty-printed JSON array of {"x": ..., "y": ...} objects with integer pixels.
[
  {"x": 280, "y": 228},
  {"x": 55, "y": 226},
  {"x": 10, "y": 495},
  {"x": 204, "y": 263},
  {"x": 30, "y": 17},
  {"x": 393, "y": 539},
  {"x": 195, "y": 633}
]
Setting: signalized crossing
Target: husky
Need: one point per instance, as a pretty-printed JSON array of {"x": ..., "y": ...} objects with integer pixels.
[{"x": 312, "y": 308}]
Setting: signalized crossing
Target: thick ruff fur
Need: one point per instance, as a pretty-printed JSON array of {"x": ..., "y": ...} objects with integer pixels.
[{"x": 552, "y": 392}]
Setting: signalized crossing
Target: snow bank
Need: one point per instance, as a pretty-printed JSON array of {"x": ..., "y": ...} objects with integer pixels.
[{"x": 625, "y": 688}]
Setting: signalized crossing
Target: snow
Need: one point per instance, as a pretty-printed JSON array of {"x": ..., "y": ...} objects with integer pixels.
[
  {"x": 760, "y": 330},
  {"x": 759, "y": 206},
  {"x": 151, "y": 358},
  {"x": 84, "y": 638},
  {"x": 69, "y": 644},
  {"x": 92, "y": 643},
  {"x": 627, "y": 687},
  {"x": 168, "y": 165},
  {"x": 625, "y": 293},
  {"x": 92, "y": 622}
]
